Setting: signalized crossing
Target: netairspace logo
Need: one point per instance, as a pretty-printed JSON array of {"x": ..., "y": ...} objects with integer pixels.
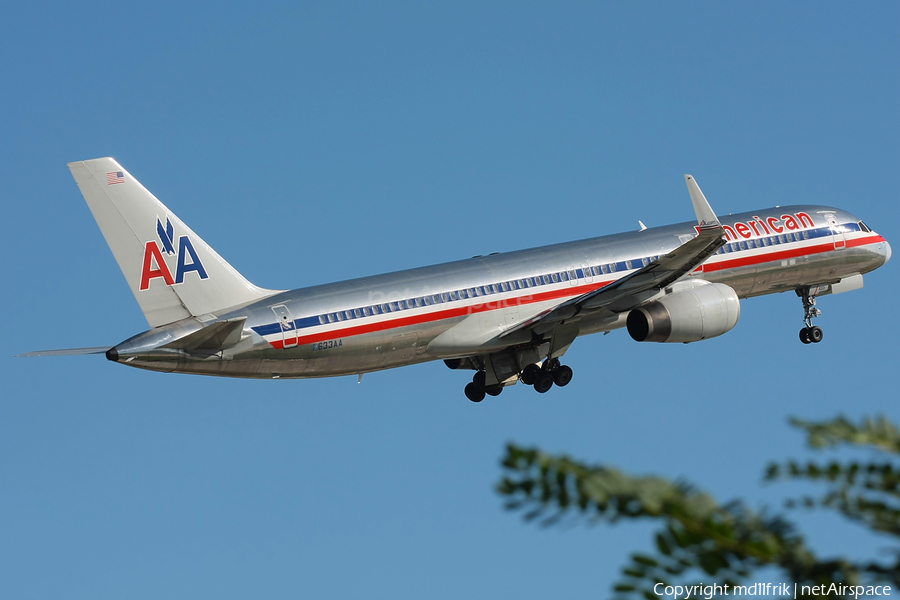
[{"x": 782, "y": 590}]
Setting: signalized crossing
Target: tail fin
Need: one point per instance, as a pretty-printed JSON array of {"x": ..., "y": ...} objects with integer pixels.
[{"x": 172, "y": 273}]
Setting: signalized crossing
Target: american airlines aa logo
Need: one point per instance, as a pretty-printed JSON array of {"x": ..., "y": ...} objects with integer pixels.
[{"x": 155, "y": 264}]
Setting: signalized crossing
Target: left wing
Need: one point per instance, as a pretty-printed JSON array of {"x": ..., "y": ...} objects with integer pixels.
[{"x": 68, "y": 351}]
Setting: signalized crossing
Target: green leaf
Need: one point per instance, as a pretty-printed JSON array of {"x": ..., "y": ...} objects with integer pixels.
[
  {"x": 663, "y": 545},
  {"x": 644, "y": 560}
]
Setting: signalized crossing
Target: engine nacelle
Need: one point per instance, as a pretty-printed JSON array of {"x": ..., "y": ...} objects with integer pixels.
[{"x": 690, "y": 315}]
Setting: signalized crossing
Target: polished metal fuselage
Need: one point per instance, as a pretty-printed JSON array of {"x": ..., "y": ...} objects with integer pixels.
[{"x": 394, "y": 318}]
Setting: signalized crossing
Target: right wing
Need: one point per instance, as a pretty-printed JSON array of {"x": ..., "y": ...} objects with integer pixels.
[{"x": 638, "y": 287}]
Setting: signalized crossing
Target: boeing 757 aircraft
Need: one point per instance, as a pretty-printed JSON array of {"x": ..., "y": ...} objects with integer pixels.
[{"x": 508, "y": 317}]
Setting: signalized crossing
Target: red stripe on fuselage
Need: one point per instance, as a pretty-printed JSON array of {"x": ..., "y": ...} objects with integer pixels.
[
  {"x": 569, "y": 292},
  {"x": 443, "y": 314}
]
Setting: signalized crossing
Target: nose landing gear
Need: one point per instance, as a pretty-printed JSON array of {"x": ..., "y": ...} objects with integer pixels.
[{"x": 810, "y": 333}]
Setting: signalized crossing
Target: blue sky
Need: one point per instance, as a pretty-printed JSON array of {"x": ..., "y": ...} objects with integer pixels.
[{"x": 312, "y": 142}]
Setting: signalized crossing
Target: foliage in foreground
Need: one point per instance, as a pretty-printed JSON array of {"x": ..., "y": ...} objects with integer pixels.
[{"x": 702, "y": 541}]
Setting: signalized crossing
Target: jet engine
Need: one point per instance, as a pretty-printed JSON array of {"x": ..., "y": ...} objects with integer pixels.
[{"x": 688, "y": 315}]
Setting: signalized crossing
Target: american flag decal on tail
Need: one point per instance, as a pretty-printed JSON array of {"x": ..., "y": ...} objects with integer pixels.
[{"x": 115, "y": 177}]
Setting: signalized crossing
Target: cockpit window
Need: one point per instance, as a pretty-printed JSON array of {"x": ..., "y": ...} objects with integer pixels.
[{"x": 864, "y": 227}]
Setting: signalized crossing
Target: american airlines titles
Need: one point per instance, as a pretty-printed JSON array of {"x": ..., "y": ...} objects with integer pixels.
[{"x": 758, "y": 227}]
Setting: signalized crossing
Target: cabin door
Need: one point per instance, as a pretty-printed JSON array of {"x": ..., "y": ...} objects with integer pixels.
[
  {"x": 286, "y": 322},
  {"x": 837, "y": 233}
]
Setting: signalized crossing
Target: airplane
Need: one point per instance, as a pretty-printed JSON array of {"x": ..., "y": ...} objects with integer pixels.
[{"x": 509, "y": 317}]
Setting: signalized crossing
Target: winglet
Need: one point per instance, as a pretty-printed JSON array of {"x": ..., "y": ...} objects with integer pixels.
[{"x": 705, "y": 214}]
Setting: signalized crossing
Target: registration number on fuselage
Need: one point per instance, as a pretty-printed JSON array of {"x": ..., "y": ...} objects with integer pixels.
[{"x": 327, "y": 345}]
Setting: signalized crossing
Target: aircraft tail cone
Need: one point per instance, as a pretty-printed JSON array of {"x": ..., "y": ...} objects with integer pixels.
[{"x": 112, "y": 354}]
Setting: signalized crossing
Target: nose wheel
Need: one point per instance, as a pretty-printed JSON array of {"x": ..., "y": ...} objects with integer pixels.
[{"x": 810, "y": 334}]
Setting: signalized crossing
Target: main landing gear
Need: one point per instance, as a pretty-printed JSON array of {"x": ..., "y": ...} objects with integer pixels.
[
  {"x": 476, "y": 390},
  {"x": 542, "y": 378},
  {"x": 810, "y": 333}
]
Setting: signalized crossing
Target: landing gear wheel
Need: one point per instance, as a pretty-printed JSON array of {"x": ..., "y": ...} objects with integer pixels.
[
  {"x": 810, "y": 333},
  {"x": 543, "y": 382},
  {"x": 493, "y": 390},
  {"x": 474, "y": 392},
  {"x": 478, "y": 379},
  {"x": 562, "y": 376},
  {"x": 815, "y": 334},
  {"x": 530, "y": 373}
]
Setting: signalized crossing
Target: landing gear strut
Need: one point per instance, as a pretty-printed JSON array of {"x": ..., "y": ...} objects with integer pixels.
[{"x": 810, "y": 333}]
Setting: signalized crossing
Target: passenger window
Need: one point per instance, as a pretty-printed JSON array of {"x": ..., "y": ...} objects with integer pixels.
[
  {"x": 366, "y": 311},
  {"x": 554, "y": 277},
  {"x": 340, "y": 316},
  {"x": 322, "y": 319},
  {"x": 805, "y": 234},
  {"x": 419, "y": 302},
  {"x": 428, "y": 301}
]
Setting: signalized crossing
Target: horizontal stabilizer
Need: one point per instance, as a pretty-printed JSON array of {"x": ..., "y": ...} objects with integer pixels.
[
  {"x": 211, "y": 338},
  {"x": 68, "y": 352}
]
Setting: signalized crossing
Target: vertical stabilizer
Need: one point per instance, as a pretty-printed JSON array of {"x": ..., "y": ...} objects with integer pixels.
[{"x": 172, "y": 273}]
